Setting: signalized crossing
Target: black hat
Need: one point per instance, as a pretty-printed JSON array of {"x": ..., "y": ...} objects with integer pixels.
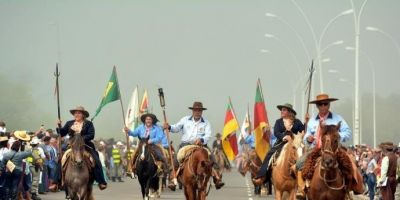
[
  {"x": 287, "y": 106},
  {"x": 152, "y": 116}
]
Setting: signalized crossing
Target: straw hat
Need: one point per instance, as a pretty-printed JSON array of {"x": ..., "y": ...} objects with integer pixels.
[
  {"x": 323, "y": 98},
  {"x": 22, "y": 135},
  {"x": 80, "y": 109},
  {"x": 3, "y": 138}
]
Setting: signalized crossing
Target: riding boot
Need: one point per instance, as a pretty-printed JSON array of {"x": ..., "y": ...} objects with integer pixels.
[
  {"x": 98, "y": 171},
  {"x": 300, "y": 186},
  {"x": 217, "y": 180}
]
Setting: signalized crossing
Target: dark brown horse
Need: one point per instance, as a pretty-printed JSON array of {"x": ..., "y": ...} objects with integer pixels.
[
  {"x": 197, "y": 170},
  {"x": 328, "y": 181},
  {"x": 78, "y": 179}
]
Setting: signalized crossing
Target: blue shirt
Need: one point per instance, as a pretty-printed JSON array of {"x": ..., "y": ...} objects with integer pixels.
[
  {"x": 193, "y": 130},
  {"x": 333, "y": 119},
  {"x": 250, "y": 140},
  {"x": 164, "y": 141},
  {"x": 155, "y": 136}
]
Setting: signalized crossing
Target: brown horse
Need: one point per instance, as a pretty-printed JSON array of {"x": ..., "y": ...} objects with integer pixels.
[
  {"x": 283, "y": 177},
  {"x": 220, "y": 160},
  {"x": 328, "y": 181},
  {"x": 251, "y": 163},
  {"x": 78, "y": 179},
  {"x": 197, "y": 170}
]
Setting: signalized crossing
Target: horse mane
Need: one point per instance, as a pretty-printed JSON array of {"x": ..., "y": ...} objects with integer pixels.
[{"x": 345, "y": 166}]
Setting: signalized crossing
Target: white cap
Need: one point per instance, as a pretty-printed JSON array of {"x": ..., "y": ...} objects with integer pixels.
[
  {"x": 102, "y": 143},
  {"x": 119, "y": 143},
  {"x": 35, "y": 140}
]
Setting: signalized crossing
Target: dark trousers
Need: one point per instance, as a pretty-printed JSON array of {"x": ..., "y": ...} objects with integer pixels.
[
  {"x": 264, "y": 166},
  {"x": 371, "y": 182},
  {"x": 98, "y": 171},
  {"x": 12, "y": 183}
]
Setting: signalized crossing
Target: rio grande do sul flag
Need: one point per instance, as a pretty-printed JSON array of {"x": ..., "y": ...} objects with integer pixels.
[
  {"x": 229, "y": 140},
  {"x": 260, "y": 124},
  {"x": 145, "y": 103}
]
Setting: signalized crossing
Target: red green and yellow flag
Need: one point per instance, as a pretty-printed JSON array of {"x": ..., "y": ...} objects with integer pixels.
[
  {"x": 229, "y": 140},
  {"x": 145, "y": 103},
  {"x": 260, "y": 124}
]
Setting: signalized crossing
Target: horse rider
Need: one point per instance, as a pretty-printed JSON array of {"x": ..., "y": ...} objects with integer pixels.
[
  {"x": 312, "y": 138},
  {"x": 217, "y": 145},
  {"x": 80, "y": 125},
  {"x": 117, "y": 153},
  {"x": 196, "y": 130},
  {"x": 151, "y": 132},
  {"x": 287, "y": 123}
]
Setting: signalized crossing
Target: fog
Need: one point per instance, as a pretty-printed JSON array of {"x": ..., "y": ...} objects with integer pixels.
[{"x": 197, "y": 51}]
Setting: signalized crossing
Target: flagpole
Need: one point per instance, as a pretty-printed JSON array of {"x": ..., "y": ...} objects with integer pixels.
[{"x": 128, "y": 148}]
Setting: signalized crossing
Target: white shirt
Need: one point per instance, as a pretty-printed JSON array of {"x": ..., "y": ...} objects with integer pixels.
[
  {"x": 3, "y": 151},
  {"x": 384, "y": 167},
  {"x": 193, "y": 130},
  {"x": 102, "y": 159}
]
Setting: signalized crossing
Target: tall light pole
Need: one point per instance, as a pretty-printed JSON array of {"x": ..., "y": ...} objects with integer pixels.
[
  {"x": 271, "y": 15},
  {"x": 372, "y": 68},
  {"x": 346, "y": 12},
  {"x": 394, "y": 41},
  {"x": 357, "y": 18}
]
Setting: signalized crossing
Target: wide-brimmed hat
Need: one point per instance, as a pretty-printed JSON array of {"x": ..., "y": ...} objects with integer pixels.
[
  {"x": 197, "y": 105},
  {"x": 35, "y": 141},
  {"x": 152, "y": 116},
  {"x": 287, "y": 106},
  {"x": 3, "y": 138},
  {"x": 80, "y": 109},
  {"x": 388, "y": 146},
  {"x": 322, "y": 98},
  {"x": 22, "y": 135},
  {"x": 218, "y": 135}
]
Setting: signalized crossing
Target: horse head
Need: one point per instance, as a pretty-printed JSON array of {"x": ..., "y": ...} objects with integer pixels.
[
  {"x": 330, "y": 145},
  {"x": 142, "y": 150},
  {"x": 203, "y": 171},
  {"x": 78, "y": 147}
]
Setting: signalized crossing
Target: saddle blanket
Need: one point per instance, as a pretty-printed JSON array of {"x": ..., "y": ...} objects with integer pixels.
[{"x": 188, "y": 149}]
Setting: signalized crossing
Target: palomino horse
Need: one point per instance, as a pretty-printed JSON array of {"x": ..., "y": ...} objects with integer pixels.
[
  {"x": 146, "y": 169},
  {"x": 197, "y": 170},
  {"x": 77, "y": 177},
  {"x": 328, "y": 181},
  {"x": 283, "y": 177}
]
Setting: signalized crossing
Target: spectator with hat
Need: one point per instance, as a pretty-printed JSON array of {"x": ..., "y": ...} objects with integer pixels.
[{"x": 387, "y": 181}]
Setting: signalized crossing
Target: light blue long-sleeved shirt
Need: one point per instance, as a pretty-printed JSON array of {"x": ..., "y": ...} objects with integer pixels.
[
  {"x": 193, "y": 130},
  {"x": 164, "y": 141},
  {"x": 250, "y": 140},
  {"x": 333, "y": 119},
  {"x": 155, "y": 136}
]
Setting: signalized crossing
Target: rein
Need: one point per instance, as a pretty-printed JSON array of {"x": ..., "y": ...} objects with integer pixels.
[
  {"x": 196, "y": 177},
  {"x": 331, "y": 180}
]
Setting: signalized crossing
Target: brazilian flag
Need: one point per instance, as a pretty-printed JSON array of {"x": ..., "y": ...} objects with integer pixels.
[{"x": 111, "y": 93}]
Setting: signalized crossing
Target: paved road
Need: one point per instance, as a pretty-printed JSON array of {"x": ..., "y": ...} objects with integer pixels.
[{"x": 237, "y": 187}]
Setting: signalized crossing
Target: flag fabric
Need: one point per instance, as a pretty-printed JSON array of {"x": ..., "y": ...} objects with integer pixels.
[
  {"x": 246, "y": 127},
  {"x": 132, "y": 113},
  {"x": 229, "y": 140},
  {"x": 145, "y": 103},
  {"x": 260, "y": 124},
  {"x": 111, "y": 92}
]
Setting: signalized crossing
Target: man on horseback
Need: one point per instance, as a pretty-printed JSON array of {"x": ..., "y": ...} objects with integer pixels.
[
  {"x": 287, "y": 123},
  {"x": 86, "y": 129},
  {"x": 312, "y": 138},
  {"x": 153, "y": 134},
  {"x": 217, "y": 146},
  {"x": 196, "y": 130}
]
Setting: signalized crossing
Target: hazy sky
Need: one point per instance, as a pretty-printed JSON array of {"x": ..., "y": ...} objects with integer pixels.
[{"x": 196, "y": 50}]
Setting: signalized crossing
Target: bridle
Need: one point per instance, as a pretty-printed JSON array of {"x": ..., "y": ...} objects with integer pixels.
[{"x": 329, "y": 150}]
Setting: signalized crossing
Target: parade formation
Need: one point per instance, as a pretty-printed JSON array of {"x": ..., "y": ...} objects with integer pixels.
[{"x": 177, "y": 146}]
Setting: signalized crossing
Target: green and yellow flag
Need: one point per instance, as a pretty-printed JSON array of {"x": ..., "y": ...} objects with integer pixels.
[{"x": 110, "y": 94}]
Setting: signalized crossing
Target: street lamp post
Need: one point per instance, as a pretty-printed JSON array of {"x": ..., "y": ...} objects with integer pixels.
[
  {"x": 357, "y": 18},
  {"x": 372, "y": 68},
  {"x": 374, "y": 29}
]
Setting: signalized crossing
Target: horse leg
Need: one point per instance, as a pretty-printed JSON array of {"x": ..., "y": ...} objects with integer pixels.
[{"x": 278, "y": 195}]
